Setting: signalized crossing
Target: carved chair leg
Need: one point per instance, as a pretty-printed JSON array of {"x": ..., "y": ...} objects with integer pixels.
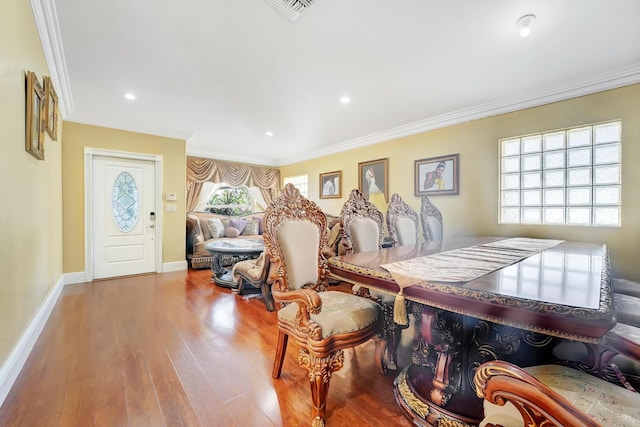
[
  {"x": 281, "y": 349},
  {"x": 266, "y": 295},
  {"x": 320, "y": 371}
]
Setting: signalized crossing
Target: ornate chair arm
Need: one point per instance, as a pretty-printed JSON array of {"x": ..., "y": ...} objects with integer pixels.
[
  {"x": 500, "y": 382},
  {"x": 308, "y": 300}
]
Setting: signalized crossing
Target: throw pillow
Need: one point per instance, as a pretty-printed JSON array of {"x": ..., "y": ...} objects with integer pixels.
[
  {"x": 238, "y": 223},
  {"x": 252, "y": 228},
  {"x": 231, "y": 232},
  {"x": 216, "y": 228},
  {"x": 334, "y": 235}
]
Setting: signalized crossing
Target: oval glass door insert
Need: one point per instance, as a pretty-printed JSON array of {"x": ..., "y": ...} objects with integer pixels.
[{"x": 125, "y": 202}]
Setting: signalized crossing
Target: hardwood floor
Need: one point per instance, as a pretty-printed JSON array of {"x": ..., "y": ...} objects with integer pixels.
[{"x": 175, "y": 350}]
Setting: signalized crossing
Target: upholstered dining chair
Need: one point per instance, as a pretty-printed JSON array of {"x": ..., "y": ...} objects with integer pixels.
[
  {"x": 362, "y": 224},
  {"x": 362, "y": 230},
  {"x": 592, "y": 392},
  {"x": 255, "y": 273},
  {"x": 402, "y": 222},
  {"x": 321, "y": 322},
  {"x": 552, "y": 395},
  {"x": 431, "y": 218}
]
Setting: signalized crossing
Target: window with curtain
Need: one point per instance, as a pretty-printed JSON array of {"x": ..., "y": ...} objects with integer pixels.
[{"x": 229, "y": 200}]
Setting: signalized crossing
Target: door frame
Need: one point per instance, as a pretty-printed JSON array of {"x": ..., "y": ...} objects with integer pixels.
[{"x": 89, "y": 154}]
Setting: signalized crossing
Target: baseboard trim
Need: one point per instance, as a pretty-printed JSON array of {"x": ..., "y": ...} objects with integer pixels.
[
  {"x": 73, "y": 278},
  {"x": 11, "y": 369},
  {"x": 21, "y": 351},
  {"x": 175, "y": 266}
]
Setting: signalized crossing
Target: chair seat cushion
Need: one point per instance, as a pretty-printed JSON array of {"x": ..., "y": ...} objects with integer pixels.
[
  {"x": 250, "y": 268},
  {"x": 605, "y": 402},
  {"x": 341, "y": 313}
]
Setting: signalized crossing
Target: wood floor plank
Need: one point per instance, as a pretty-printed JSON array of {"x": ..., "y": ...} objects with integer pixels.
[
  {"x": 111, "y": 416},
  {"x": 173, "y": 349}
]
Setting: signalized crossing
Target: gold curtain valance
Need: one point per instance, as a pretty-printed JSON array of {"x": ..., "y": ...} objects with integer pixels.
[{"x": 201, "y": 170}]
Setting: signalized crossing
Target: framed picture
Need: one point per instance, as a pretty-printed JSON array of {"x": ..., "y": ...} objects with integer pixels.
[
  {"x": 437, "y": 176},
  {"x": 330, "y": 185},
  {"x": 51, "y": 108},
  {"x": 34, "y": 142},
  {"x": 373, "y": 180}
]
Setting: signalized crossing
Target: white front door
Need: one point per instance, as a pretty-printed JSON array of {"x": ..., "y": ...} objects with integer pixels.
[{"x": 123, "y": 217}]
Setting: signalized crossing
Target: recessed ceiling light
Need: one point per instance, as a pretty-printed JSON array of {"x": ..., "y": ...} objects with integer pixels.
[
  {"x": 345, "y": 99},
  {"x": 525, "y": 24},
  {"x": 129, "y": 96},
  {"x": 269, "y": 133}
]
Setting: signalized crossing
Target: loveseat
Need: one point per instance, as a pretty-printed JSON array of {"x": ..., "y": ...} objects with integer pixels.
[
  {"x": 204, "y": 227},
  {"x": 199, "y": 227}
]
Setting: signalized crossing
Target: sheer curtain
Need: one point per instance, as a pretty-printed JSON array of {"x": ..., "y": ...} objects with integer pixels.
[
  {"x": 201, "y": 171},
  {"x": 206, "y": 191}
]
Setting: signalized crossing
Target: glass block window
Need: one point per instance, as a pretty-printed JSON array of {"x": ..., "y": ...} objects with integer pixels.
[
  {"x": 301, "y": 182},
  {"x": 565, "y": 177},
  {"x": 125, "y": 202}
]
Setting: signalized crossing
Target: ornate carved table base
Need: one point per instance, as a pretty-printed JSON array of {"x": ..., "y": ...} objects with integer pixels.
[{"x": 436, "y": 389}]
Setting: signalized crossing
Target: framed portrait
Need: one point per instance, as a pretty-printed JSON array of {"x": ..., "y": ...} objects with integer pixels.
[
  {"x": 330, "y": 185},
  {"x": 437, "y": 176},
  {"x": 51, "y": 108},
  {"x": 373, "y": 180},
  {"x": 34, "y": 132}
]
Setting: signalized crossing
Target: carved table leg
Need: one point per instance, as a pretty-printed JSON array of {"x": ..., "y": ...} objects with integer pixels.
[
  {"x": 216, "y": 266},
  {"x": 437, "y": 388}
]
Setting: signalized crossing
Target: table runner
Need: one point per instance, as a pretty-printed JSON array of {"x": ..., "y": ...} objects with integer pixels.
[{"x": 461, "y": 265}]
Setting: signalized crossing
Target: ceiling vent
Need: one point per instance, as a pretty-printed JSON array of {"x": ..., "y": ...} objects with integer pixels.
[{"x": 291, "y": 8}]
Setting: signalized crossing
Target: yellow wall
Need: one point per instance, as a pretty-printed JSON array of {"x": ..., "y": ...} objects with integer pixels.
[
  {"x": 475, "y": 210},
  {"x": 76, "y": 137},
  {"x": 31, "y": 219}
]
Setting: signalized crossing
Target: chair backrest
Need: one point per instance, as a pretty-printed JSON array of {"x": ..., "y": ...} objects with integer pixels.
[
  {"x": 431, "y": 219},
  {"x": 295, "y": 231},
  {"x": 402, "y": 222},
  {"x": 362, "y": 223}
]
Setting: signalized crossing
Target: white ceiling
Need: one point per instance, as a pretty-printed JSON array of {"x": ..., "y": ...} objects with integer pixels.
[{"x": 220, "y": 74}]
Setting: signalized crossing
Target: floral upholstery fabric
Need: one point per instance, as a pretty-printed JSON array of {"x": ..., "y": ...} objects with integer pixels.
[
  {"x": 341, "y": 313},
  {"x": 608, "y": 404}
]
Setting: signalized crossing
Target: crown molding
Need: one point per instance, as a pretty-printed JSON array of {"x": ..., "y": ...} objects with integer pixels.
[
  {"x": 46, "y": 19},
  {"x": 598, "y": 83}
]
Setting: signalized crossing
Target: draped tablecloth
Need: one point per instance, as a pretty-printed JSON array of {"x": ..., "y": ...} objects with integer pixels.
[{"x": 461, "y": 265}]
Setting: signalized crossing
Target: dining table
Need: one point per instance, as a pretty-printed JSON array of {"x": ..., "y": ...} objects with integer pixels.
[{"x": 474, "y": 299}]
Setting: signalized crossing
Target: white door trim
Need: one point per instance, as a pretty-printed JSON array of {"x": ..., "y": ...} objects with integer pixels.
[{"x": 89, "y": 154}]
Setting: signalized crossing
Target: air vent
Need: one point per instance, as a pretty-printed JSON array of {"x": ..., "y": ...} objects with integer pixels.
[{"x": 291, "y": 8}]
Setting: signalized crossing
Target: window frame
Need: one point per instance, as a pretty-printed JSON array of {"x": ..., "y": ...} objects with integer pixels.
[
  {"x": 552, "y": 177},
  {"x": 301, "y": 182}
]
